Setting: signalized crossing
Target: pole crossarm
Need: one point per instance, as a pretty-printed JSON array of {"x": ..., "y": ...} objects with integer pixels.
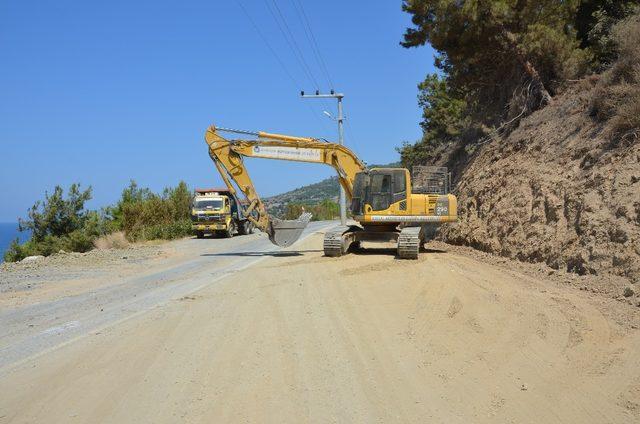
[{"x": 322, "y": 96}]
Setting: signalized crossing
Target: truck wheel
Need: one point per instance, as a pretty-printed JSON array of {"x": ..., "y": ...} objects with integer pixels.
[
  {"x": 229, "y": 232},
  {"x": 199, "y": 234},
  {"x": 246, "y": 228}
]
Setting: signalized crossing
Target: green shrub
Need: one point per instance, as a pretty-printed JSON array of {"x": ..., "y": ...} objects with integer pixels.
[
  {"x": 180, "y": 197},
  {"x": 76, "y": 241},
  {"x": 57, "y": 216},
  {"x": 166, "y": 231},
  {"x": 60, "y": 223},
  {"x": 130, "y": 195},
  {"x": 17, "y": 252},
  {"x": 322, "y": 211},
  {"x": 594, "y": 22},
  {"x": 143, "y": 215}
]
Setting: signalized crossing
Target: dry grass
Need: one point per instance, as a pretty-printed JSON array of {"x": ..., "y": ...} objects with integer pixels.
[
  {"x": 115, "y": 240},
  {"x": 626, "y": 121},
  {"x": 617, "y": 96}
]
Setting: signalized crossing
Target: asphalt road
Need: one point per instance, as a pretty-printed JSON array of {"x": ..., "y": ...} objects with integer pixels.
[{"x": 37, "y": 328}]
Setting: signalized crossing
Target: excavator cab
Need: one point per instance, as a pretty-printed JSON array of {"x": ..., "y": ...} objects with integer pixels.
[{"x": 379, "y": 188}]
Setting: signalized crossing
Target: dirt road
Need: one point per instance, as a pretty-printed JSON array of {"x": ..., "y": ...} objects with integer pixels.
[{"x": 362, "y": 338}]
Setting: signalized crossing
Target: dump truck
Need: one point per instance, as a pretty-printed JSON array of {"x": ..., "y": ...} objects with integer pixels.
[
  {"x": 383, "y": 201},
  {"x": 217, "y": 211}
]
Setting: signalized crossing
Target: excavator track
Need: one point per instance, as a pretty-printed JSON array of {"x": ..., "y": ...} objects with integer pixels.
[
  {"x": 409, "y": 242},
  {"x": 333, "y": 241}
]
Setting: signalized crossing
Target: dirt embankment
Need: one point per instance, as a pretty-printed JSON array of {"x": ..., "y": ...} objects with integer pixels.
[{"x": 559, "y": 189}]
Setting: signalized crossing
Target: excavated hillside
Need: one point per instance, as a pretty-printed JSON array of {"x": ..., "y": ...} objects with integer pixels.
[{"x": 559, "y": 189}]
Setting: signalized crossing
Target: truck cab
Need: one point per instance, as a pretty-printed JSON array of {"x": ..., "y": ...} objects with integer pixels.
[{"x": 217, "y": 212}]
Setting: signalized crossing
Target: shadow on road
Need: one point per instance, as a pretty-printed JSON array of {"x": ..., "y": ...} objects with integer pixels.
[
  {"x": 428, "y": 250},
  {"x": 364, "y": 251},
  {"x": 389, "y": 251},
  {"x": 275, "y": 254},
  {"x": 361, "y": 251}
]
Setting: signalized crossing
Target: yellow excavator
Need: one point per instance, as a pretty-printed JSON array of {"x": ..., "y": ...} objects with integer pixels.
[{"x": 382, "y": 201}]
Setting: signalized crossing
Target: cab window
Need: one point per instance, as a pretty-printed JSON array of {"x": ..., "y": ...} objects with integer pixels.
[
  {"x": 380, "y": 191},
  {"x": 399, "y": 183},
  {"x": 380, "y": 183},
  {"x": 209, "y": 204}
]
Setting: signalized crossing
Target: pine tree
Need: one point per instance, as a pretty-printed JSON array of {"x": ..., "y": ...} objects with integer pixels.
[{"x": 489, "y": 49}]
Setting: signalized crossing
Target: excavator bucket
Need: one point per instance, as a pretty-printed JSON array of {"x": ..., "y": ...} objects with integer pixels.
[{"x": 284, "y": 233}]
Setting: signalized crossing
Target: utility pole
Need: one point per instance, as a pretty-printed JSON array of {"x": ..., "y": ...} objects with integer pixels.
[{"x": 338, "y": 96}]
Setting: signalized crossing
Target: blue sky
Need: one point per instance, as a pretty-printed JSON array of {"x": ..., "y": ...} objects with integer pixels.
[{"x": 104, "y": 92}]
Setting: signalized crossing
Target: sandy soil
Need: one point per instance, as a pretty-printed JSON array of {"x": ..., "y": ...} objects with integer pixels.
[
  {"x": 60, "y": 275},
  {"x": 66, "y": 275},
  {"x": 362, "y": 338}
]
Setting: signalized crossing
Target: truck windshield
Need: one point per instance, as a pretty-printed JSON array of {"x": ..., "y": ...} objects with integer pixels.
[{"x": 204, "y": 204}]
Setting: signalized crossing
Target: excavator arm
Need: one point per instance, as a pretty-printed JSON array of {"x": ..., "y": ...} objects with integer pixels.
[{"x": 228, "y": 155}]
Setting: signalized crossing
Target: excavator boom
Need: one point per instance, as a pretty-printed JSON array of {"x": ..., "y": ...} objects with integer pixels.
[{"x": 228, "y": 155}]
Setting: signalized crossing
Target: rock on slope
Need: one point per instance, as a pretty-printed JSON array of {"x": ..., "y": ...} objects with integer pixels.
[{"x": 559, "y": 189}]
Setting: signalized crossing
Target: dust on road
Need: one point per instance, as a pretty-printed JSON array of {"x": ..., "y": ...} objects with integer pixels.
[{"x": 362, "y": 338}]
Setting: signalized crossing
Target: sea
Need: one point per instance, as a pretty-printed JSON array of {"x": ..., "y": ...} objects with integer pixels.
[{"x": 8, "y": 233}]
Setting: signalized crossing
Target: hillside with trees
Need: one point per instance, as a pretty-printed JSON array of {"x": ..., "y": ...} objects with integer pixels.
[
  {"x": 499, "y": 61},
  {"x": 326, "y": 190},
  {"x": 536, "y": 110}
]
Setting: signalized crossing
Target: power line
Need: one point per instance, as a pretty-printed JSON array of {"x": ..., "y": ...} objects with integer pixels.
[
  {"x": 297, "y": 4},
  {"x": 294, "y": 47},
  {"x": 287, "y": 34},
  {"x": 266, "y": 42},
  {"x": 353, "y": 139},
  {"x": 308, "y": 31},
  {"x": 282, "y": 65},
  {"x": 291, "y": 41},
  {"x": 314, "y": 47}
]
